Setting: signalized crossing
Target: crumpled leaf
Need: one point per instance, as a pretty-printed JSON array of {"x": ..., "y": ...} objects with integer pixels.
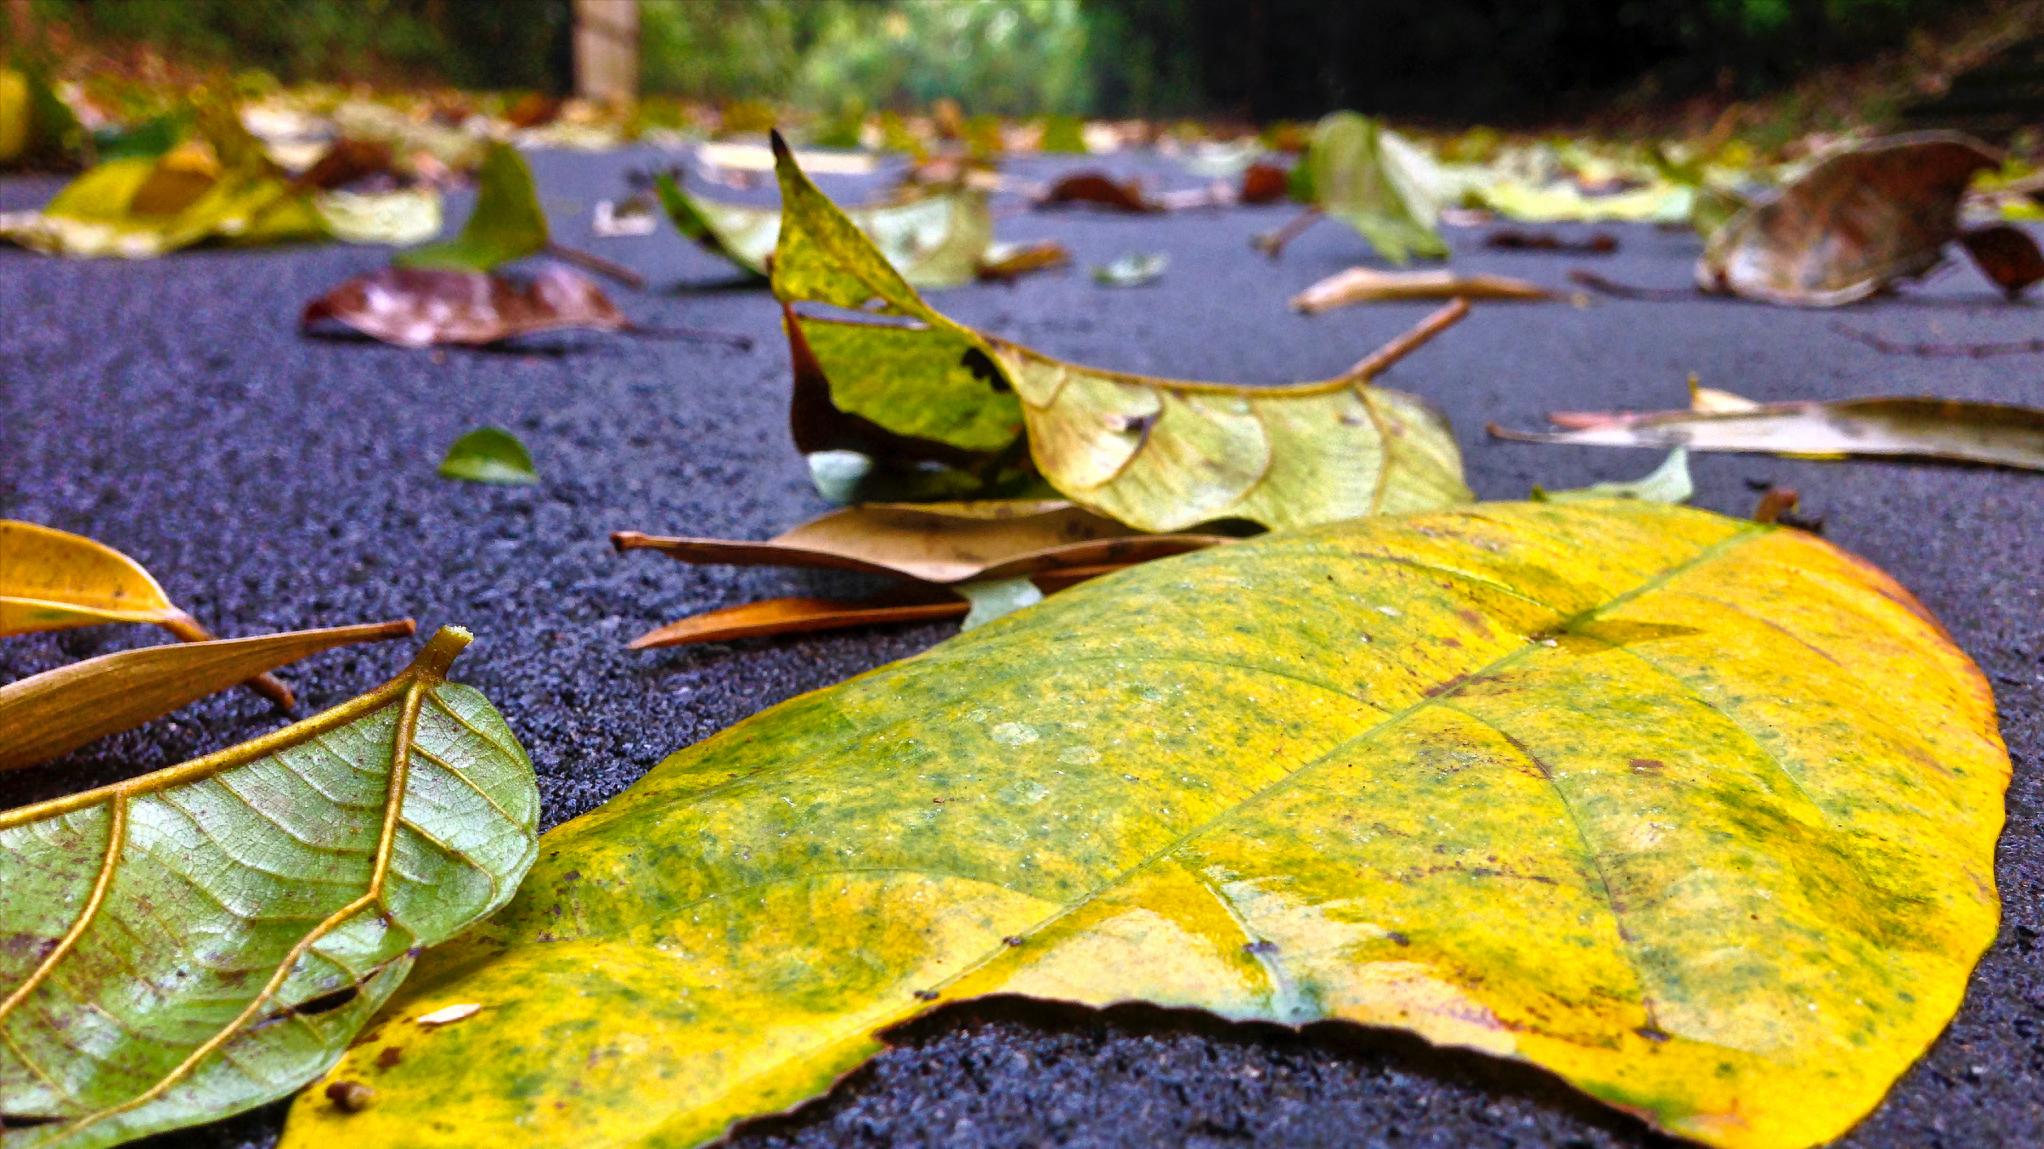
[
  {"x": 489, "y": 455},
  {"x": 507, "y": 224},
  {"x": 60, "y": 710},
  {"x": 1369, "y": 285},
  {"x": 1667, "y": 483},
  {"x": 1136, "y": 269},
  {"x": 55, "y": 580},
  {"x": 1371, "y": 178},
  {"x": 1600, "y": 787},
  {"x": 1158, "y": 455},
  {"x": 419, "y": 307},
  {"x": 1905, "y": 426},
  {"x": 2007, "y": 255},
  {"x": 1856, "y": 222},
  {"x": 201, "y": 940},
  {"x": 936, "y": 241},
  {"x": 936, "y": 542}
]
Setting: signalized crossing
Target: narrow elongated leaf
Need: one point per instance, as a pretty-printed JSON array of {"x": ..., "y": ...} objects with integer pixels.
[
  {"x": 2001, "y": 434},
  {"x": 418, "y": 307},
  {"x": 55, "y": 580},
  {"x": 1859, "y": 220},
  {"x": 1601, "y": 787},
  {"x": 60, "y": 710},
  {"x": 204, "y": 939},
  {"x": 1369, "y": 285},
  {"x": 1156, "y": 454},
  {"x": 937, "y": 241},
  {"x": 506, "y": 225}
]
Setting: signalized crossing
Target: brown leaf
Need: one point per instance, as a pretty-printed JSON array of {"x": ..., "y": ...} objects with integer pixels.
[
  {"x": 1368, "y": 285},
  {"x": 2005, "y": 254},
  {"x": 1006, "y": 262},
  {"x": 1097, "y": 190},
  {"x": 1520, "y": 239},
  {"x": 1264, "y": 183},
  {"x": 1850, "y": 226},
  {"x": 347, "y": 161},
  {"x": 420, "y": 307}
]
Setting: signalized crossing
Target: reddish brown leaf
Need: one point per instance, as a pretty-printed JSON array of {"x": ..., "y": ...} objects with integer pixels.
[
  {"x": 347, "y": 161},
  {"x": 1519, "y": 239},
  {"x": 420, "y": 307},
  {"x": 2005, "y": 254},
  {"x": 1264, "y": 183},
  {"x": 1097, "y": 190}
]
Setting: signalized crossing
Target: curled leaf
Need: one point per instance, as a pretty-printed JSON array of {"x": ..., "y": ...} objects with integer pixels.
[
  {"x": 55, "y": 712},
  {"x": 1858, "y": 221},
  {"x": 201, "y": 940},
  {"x": 1096, "y": 189},
  {"x": 1376, "y": 181},
  {"x": 1369, "y": 285},
  {"x": 1598, "y": 787},
  {"x": 417, "y": 307},
  {"x": 506, "y": 225}
]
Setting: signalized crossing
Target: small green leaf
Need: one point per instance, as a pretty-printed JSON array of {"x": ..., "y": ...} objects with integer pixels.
[
  {"x": 992, "y": 598},
  {"x": 1667, "y": 483},
  {"x": 1377, "y": 182},
  {"x": 507, "y": 223},
  {"x": 1132, "y": 270},
  {"x": 489, "y": 455}
]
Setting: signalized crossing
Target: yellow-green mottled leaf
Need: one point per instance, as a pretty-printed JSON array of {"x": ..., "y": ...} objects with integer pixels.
[
  {"x": 207, "y": 938},
  {"x": 1696, "y": 813},
  {"x": 1377, "y": 182},
  {"x": 141, "y": 208},
  {"x": 1156, "y": 454},
  {"x": 506, "y": 225}
]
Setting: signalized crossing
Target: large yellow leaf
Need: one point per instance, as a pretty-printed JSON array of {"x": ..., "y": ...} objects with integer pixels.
[{"x": 1698, "y": 814}]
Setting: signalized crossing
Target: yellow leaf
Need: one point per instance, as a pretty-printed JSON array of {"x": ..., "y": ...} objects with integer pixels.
[
  {"x": 1696, "y": 813},
  {"x": 1368, "y": 285}
]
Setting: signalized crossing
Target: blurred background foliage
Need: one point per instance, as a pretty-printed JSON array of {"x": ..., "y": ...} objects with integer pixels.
[{"x": 1498, "y": 60}]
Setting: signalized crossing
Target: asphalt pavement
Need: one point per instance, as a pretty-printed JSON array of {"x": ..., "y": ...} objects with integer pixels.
[{"x": 272, "y": 481}]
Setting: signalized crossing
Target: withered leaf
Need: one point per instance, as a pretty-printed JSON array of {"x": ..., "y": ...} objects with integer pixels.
[{"x": 421, "y": 307}]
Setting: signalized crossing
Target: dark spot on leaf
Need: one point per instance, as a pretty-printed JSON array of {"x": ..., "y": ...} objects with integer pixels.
[
  {"x": 327, "y": 1002},
  {"x": 1397, "y": 939},
  {"x": 1260, "y": 948},
  {"x": 389, "y": 1058},
  {"x": 1138, "y": 424},
  {"x": 926, "y": 995},
  {"x": 982, "y": 368},
  {"x": 1440, "y": 688},
  {"x": 350, "y": 1096},
  {"x": 1011, "y": 940},
  {"x": 1653, "y": 1033},
  {"x": 1648, "y": 765},
  {"x": 26, "y": 1120}
]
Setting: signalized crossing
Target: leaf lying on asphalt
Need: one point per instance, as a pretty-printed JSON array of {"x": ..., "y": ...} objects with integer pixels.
[
  {"x": 1518, "y": 239},
  {"x": 1369, "y": 285},
  {"x": 1136, "y": 269},
  {"x": 55, "y": 580},
  {"x": 909, "y": 384},
  {"x": 1372, "y": 179},
  {"x": 507, "y": 224},
  {"x": 1600, "y": 787},
  {"x": 403, "y": 216},
  {"x": 2007, "y": 255},
  {"x": 939, "y": 240},
  {"x": 419, "y": 307},
  {"x": 141, "y": 208},
  {"x": 202, "y": 940},
  {"x": 1667, "y": 483},
  {"x": 1859, "y": 220},
  {"x": 802, "y": 615},
  {"x": 1004, "y": 262},
  {"x": 1096, "y": 189},
  {"x": 60, "y": 710},
  {"x": 489, "y": 455},
  {"x": 1917, "y": 427},
  {"x": 937, "y": 542}
]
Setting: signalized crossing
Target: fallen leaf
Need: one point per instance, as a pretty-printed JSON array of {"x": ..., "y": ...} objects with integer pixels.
[
  {"x": 126, "y": 208},
  {"x": 1566, "y": 203},
  {"x": 936, "y": 542},
  {"x": 1916, "y": 427},
  {"x": 506, "y": 225},
  {"x": 1136, "y": 269},
  {"x": 489, "y": 455},
  {"x": 2007, "y": 255},
  {"x": 804, "y": 615},
  {"x": 394, "y": 218},
  {"x": 990, "y": 599},
  {"x": 55, "y": 712},
  {"x": 1158, "y": 455},
  {"x": 1368, "y": 285},
  {"x": 935, "y": 241},
  {"x": 1005, "y": 262},
  {"x": 1667, "y": 483},
  {"x": 1599, "y": 787},
  {"x": 1515, "y": 239},
  {"x": 622, "y": 219},
  {"x": 222, "y": 929},
  {"x": 1374, "y": 180},
  {"x": 55, "y": 580},
  {"x": 1095, "y": 189},
  {"x": 1856, "y": 222},
  {"x": 1264, "y": 183},
  {"x": 419, "y": 307}
]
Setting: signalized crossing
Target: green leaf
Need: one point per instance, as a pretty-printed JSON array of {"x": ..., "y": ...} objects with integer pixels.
[
  {"x": 1377, "y": 182},
  {"x": 1133, "y": 270},
  {"x": 506, "y": 225},
  {"x": 1598, "y": 787},
  {"x": 1667, "y": 483},
  {"x": 996, "y": 598},
  {"x": 202, "y": 940},
  {"x": 489, "y": 455},
  {"x": 937, "y": 241},
  {"x": 906, "y": 386}
]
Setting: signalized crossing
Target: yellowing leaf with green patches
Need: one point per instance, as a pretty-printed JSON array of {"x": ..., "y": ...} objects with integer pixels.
[
  {"x": 1695, "y": 813},
  {"x": 207, "y": 938},
  {"x": 937, "y": 241},
  {"x": 909, "y": 386},
  {"x": 141, "y": 208}
]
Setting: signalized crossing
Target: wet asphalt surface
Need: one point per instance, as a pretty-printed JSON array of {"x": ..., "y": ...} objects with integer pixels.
[{"x": 270, "y": 481}]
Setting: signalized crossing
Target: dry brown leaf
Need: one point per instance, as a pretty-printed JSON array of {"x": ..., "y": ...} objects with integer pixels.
[
  {"x": 2005, "y": 254},
  {"x": 1007, "y": 262},
  {"x": 1095, "y": 189},
  {"x": 421, "y": 307},
  {"x": 1368, "y": 285}
]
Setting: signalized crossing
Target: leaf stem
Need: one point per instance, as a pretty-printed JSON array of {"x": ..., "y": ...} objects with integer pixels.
[
  {"x": 1271, "y": 243},
  {"x": 596, "y": 263},
  {"x": 1377, "y": 362}
]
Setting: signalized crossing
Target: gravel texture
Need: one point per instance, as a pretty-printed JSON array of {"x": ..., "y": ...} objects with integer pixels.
[{"x": 270, "y": 481}]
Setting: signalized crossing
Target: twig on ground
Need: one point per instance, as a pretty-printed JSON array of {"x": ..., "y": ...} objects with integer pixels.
[
  {"x": 1377, "y": 362},
  {"x": 1941, "y": 350},
  {"x": 596, "y": 263}
]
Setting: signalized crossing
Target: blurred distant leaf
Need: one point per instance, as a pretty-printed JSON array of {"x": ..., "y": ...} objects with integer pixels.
[
  {"x": 937, "y": 241},
  {"x": 1856, "y": 222},
  {"x": 36, "y": 127},
  {"x": 1369, "y": 285},
  {"x": 1566, "y": 203},
  {"x": 1096, "y": 189},
  {"x": 2005, "y": 254},
  {"x": 1063, "y": 135},
  {"x": 416, "y": 307},
  {"x": 1518, "y": 239},
  {"x": 1374, "y": 180},
  {"x": 1264, "y": 183},
  {"x": 142, "y": 208},
  {"x": 1132, "y": 270},
  {"x": 1667, "y": 483},
  {"x": 398, "y": 217},
  {"x": 507, "y": 223},
  {"x": 489, "y": 455},
  {"x": 1009, "y": 261},
  {"x": 148, "y": 139}
]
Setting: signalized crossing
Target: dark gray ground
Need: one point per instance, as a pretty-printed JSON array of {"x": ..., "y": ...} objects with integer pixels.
[{"x": 171, "y": 409}]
